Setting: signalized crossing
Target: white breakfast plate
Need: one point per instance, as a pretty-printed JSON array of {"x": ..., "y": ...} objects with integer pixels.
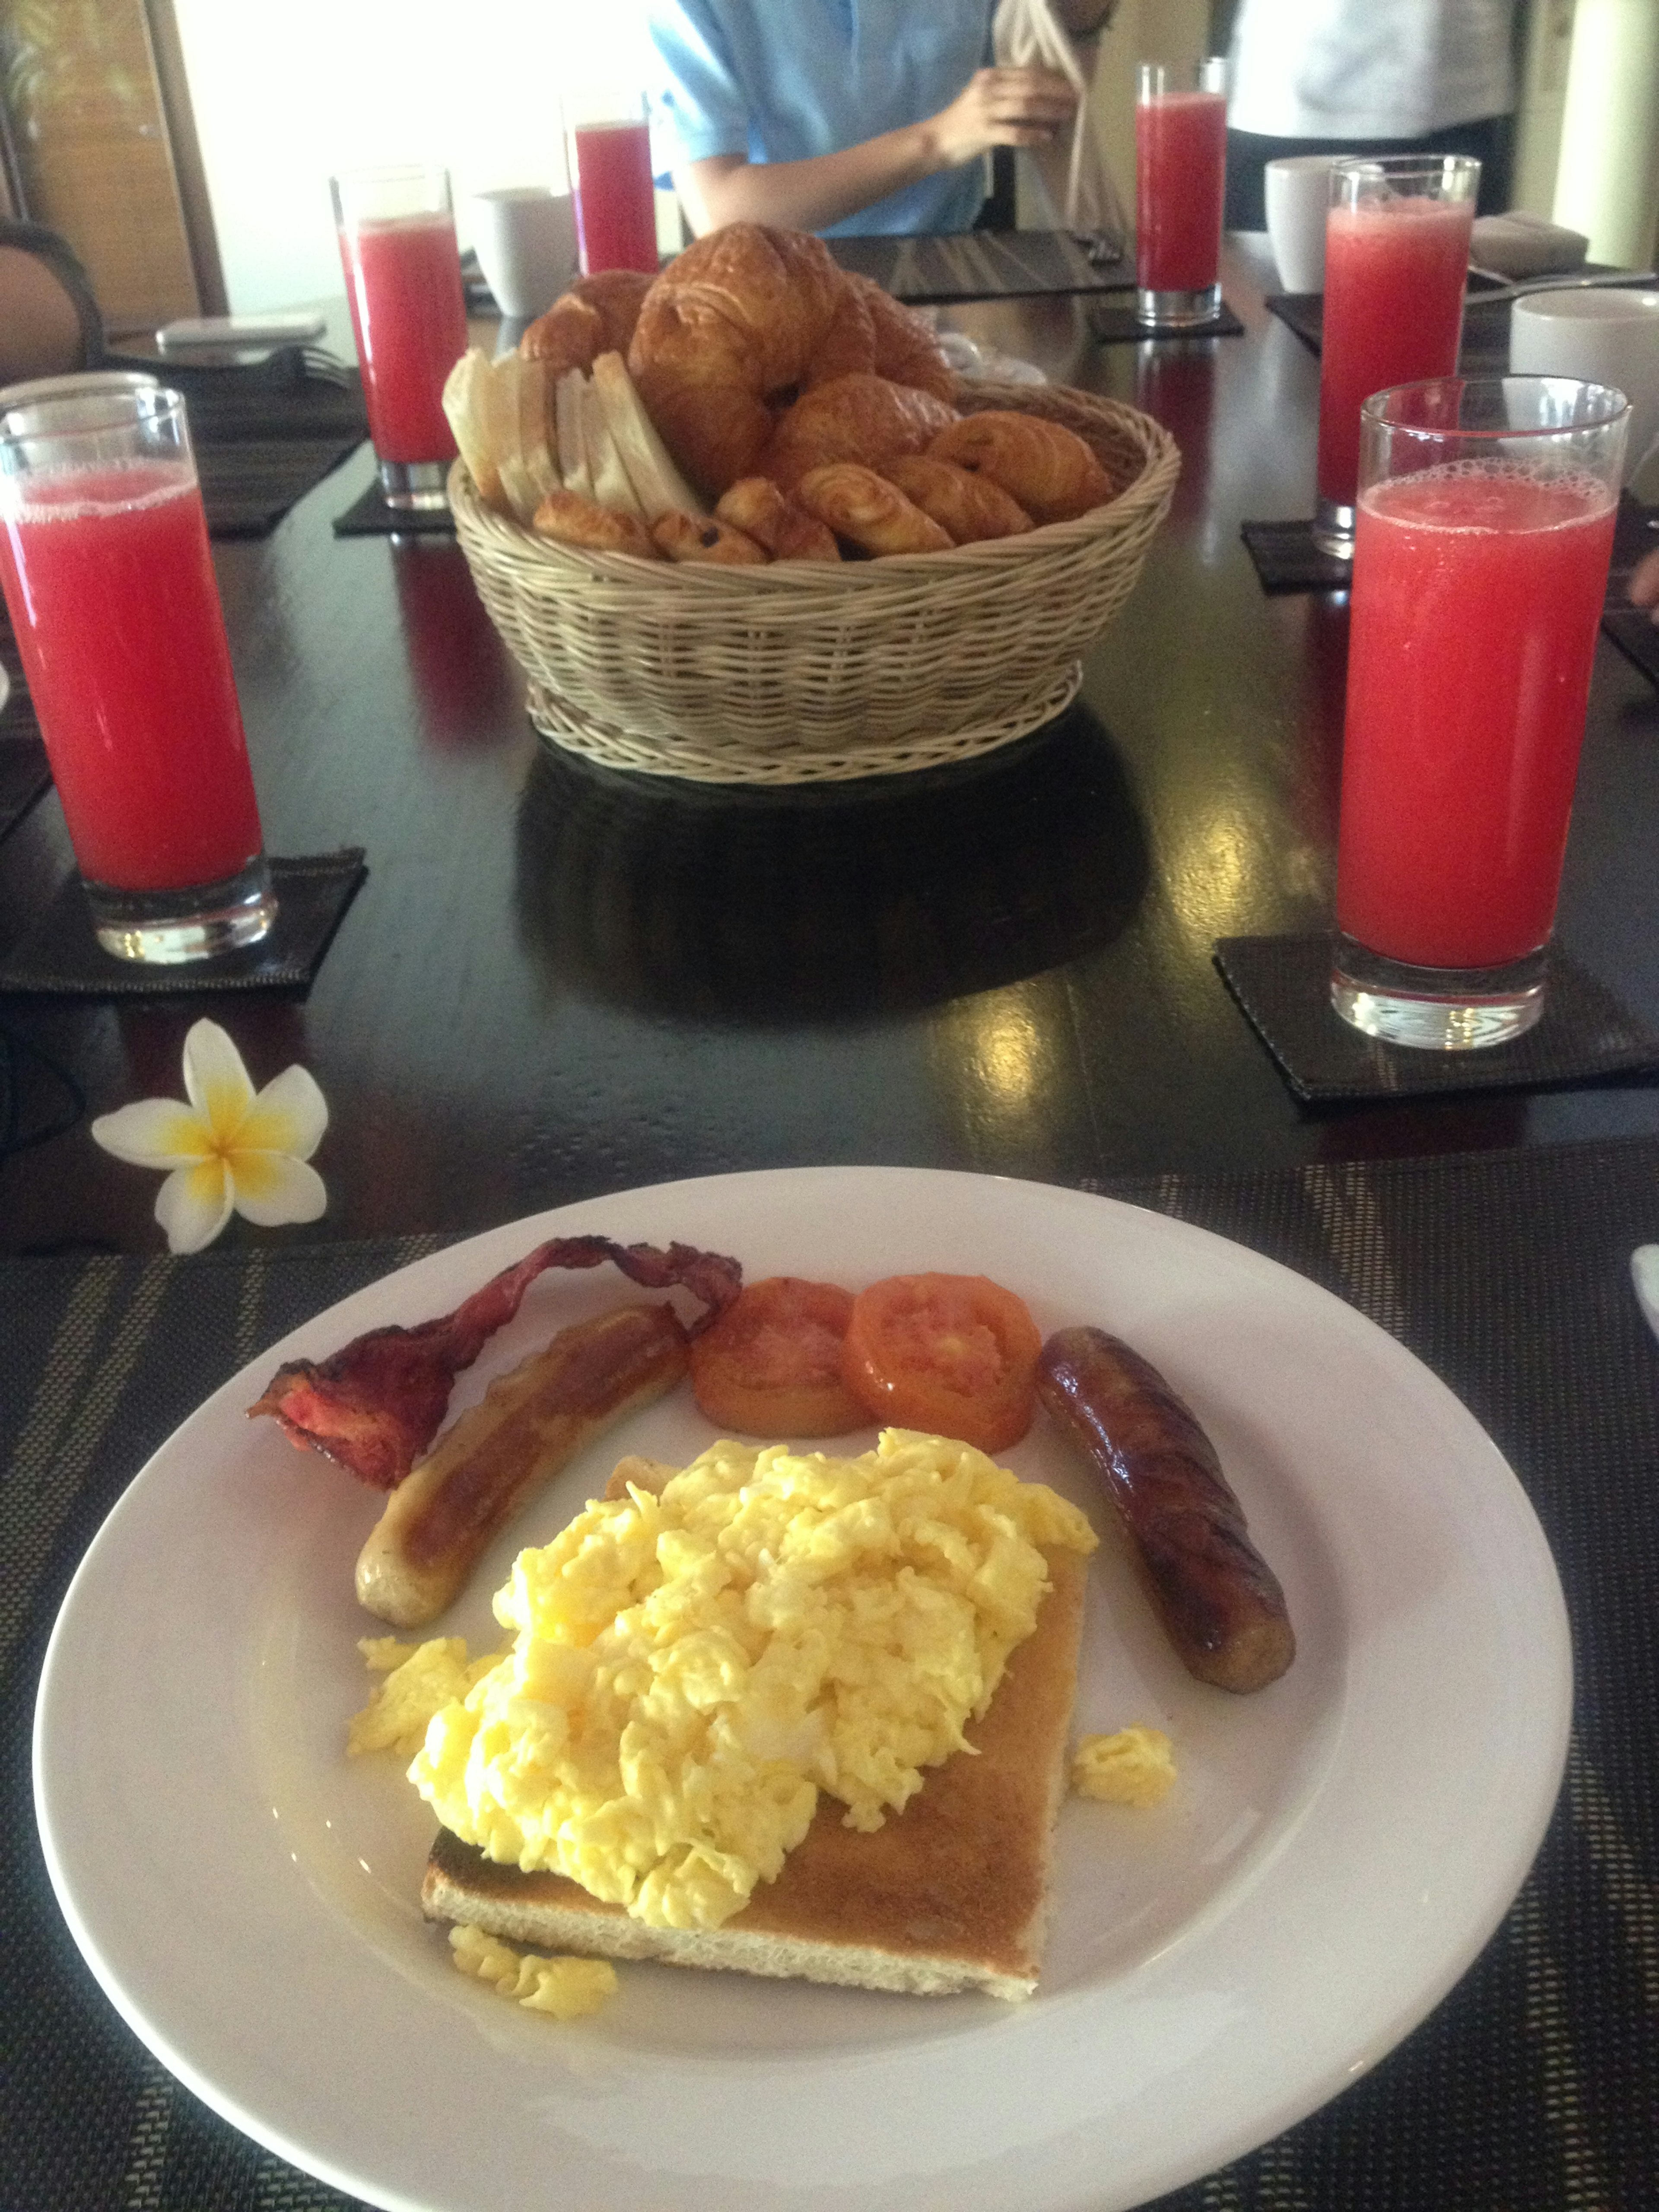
[{"x": 1337, "y": 1850}]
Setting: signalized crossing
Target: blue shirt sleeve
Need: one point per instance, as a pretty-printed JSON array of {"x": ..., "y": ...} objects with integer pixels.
[{"x": 696, "y": 103}]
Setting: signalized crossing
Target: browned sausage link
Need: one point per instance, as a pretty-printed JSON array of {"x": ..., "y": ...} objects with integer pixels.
[
  {"x": 1218, "y": 1598},
  {"x": 529, "y": 1425}
]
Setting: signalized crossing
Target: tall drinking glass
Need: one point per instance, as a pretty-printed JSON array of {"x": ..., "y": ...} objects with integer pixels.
[
  {"x": 105, "y": 565},
  {"x": 1480, "y": 561},
  {"x": 1180, "y": 179},
  {"x": 1396, "y": 265},
  {"x": 608, "y": 152},
  {"x": 403, "y": 273}
]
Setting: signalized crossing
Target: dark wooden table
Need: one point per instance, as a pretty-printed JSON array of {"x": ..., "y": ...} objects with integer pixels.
[{"x": 559, "y": 982}]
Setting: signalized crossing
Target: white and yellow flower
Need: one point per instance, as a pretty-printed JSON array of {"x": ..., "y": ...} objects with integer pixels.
[{"x": 230, "y": 1149}]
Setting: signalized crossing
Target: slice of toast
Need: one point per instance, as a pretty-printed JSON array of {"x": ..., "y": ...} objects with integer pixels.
[{"x": 949, "y": 1894}]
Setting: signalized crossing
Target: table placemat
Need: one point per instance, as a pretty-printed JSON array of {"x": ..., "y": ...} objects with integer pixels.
[
  {"x": 1283, "y": 986},
  {"x": 1486, "y": 345},
  {"x": 1533, "y": 2087},
  {"x": 1112, "y": 325},
  {"x": 249, "y": 486},
  {"x": 265, "y": 429},
  {"x": 987, "y": 265},
  {"x": 368, "y": 516},
  {"x": 1636, "y": 637},
  {"x": 62, "y": 958}
]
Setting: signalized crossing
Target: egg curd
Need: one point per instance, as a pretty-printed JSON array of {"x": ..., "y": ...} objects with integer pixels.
[
  {"x": 1135, "y": 1766},
  {"x": 689, "y": 1670}
]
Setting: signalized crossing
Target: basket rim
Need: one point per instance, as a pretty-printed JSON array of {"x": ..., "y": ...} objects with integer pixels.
[{"x": 501, "y": 537}]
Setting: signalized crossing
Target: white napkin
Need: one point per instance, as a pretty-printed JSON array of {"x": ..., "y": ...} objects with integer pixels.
[
  {"x": 1074, "y": 177},
  {"x": 1522, "y": 245}
]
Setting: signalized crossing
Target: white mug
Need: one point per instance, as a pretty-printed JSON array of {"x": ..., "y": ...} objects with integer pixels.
[
  {"x": 1602, "y": 337},
  {"x": 1298, "y": 193},
  {"x": 525, "y": 237}
]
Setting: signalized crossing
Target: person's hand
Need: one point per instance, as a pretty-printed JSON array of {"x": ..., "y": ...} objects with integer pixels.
[
  {"x": 1002, "y": 107},
  {"x": 1644, "y": 584}
]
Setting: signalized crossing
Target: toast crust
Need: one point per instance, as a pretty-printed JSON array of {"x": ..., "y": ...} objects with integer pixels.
[{"x": 949, "y": 1895}]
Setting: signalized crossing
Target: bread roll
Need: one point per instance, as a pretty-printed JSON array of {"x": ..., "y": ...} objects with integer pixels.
[
  {"x": 970, "y": 508},
  {"x": 863, "y": 508},
  {"x": 703, "y": 537},
  {"x": 1045, "y": 466},
  {"x": 756, "y": 507},
  {"x": 569, "y": 520},
  {"x": 907, "y": 347},
  {"x": 851, "y": 418}
]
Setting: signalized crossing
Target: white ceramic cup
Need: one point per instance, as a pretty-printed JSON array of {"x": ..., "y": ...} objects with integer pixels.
[
  {"x": 525, "y": 237},
  {"x": 1298, "y": 194},
  {"x": 1603, "y": 336}
]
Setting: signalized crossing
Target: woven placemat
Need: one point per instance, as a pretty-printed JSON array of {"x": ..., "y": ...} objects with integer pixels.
[
  {"x": 1115, "y": 325},
  {"x": 1636, "y": 637},
  {"x": 986, "y": 264},
  {"x": 1283, "y": 985},
  {"x": 368, "y": 516},
  {"x": 249, "y": 486},
  {"x": 61, "y": 956},
  {"x": 1485, "y": 350},
  {"x": 1287, "y": 560},
  {"x": 1533, "y": 2088}
]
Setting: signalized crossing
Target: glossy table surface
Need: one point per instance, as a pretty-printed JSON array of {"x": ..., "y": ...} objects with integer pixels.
[{"x": 559, "y": 982}]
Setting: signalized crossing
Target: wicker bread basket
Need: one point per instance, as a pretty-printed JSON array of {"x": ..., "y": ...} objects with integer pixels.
[{"x": 798, "y": 673}]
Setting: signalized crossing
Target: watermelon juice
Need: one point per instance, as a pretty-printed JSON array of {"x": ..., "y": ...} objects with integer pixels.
[
  {"x": 1180, "y": 166},
  {"x": 111, "y": 588},
  {"x": 409, "y": 316},
  {"x": 1477, "y": 597},
  {"x": 615, "y": 199},
  {"x": 1394, "y": 276}
]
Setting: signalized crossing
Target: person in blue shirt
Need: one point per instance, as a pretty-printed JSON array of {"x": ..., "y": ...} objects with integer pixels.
[{"x": 843, "y": 115}]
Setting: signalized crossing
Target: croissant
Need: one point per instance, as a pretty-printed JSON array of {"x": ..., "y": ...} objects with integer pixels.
[
  {"x": 873, "y": 515},
  {"x": 907, "y": 350},
  {"x": 570, "y": 335},
  {"x": 969, "y": 508},
  {"x": 1043, "y": 465},
  {"x": 569, "y": 520},
  {"x": 874, "y": 334},
  {"x": 851, "y": 418},
  {"x": 704, "y": 537},
  {"x": 756, "y": 507},
  {"x": 596, "y": 315},
  {"x": 736, "y": 318}
]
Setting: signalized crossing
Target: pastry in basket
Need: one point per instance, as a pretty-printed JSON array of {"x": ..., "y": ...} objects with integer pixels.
[
  {"x": 907, "y": 346},
  {"x": 868, "y": 511},
  {"x": 756, "y": 507},
  {"x": 1049, "y": 469},
  {"x": 851, "y": 418},
  {"x": 568, "y": 519},
  {"x": 703, "y": 537},
  {"x": 597, "y": 315},
  {"x": 970, "y": 508}
]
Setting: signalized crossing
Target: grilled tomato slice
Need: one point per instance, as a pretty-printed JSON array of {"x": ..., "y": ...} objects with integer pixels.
[
  {"x": 771, "y": 1364},
  {"x": 953, "y": 1354}
]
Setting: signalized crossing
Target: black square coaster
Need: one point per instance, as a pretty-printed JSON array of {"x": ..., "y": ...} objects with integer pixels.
[
  {"x": 1303, "y": 313},
  {"x": 1287, "y": 560},
  {"x": 1283, "y": 985},
  {"x": 1636, "y": 637},
  {"x": 61, "y": 956},
  {"x": 1113, "y": 324},
  {"x": 368, "y": 516}
]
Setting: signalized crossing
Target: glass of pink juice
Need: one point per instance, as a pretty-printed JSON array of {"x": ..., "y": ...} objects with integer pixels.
[
  {"x": 403, "y": 274},
  {"x": 105, "y": 565},
  {"x": 1180, "y": 179},
  {"x": 1487, "y": 509},
  {"x": 609, "y": 157},
  {"x": 1396, "y": 265}
]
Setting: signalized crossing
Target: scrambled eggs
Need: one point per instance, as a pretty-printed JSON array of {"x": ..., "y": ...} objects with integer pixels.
[
  {"x": 689, "y": 1671},
  {"x": 1136, "y": 1767},
  {"x": 566, "y": 1988}
]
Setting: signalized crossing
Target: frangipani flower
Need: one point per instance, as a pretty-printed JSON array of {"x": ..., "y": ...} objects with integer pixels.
[{"x": 229, "y": 1150}]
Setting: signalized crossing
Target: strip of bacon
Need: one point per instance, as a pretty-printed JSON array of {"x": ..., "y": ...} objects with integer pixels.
[{"x": 375, "y": 1406}]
